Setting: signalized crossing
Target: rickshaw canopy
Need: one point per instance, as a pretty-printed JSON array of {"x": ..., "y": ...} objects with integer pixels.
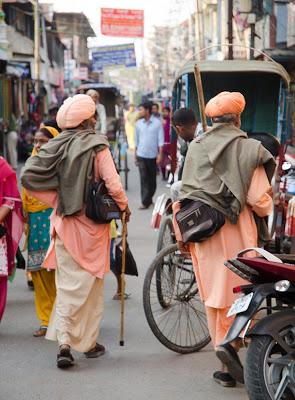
[
  {"x": 263, "y": 83},
  {"x": 240, "y": 66}
]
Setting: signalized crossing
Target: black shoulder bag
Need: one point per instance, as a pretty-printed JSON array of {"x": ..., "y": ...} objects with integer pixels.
[
  {"x": 197, "y": 221},
  {"x": 100, "y": 206}
]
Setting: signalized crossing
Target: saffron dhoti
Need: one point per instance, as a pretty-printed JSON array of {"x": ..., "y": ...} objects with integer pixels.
[{"x": 78, "y": 309}]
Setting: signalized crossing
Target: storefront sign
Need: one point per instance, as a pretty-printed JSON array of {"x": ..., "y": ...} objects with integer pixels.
[
  {"x": 109, "y": 56},
  {"x": 121, "y": 22}
]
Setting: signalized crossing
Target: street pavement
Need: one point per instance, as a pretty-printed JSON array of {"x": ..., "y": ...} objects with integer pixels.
[{"x": 141, "y": 370}]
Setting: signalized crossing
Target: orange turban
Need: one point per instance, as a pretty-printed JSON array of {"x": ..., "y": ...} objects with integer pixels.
[
  {"x": 75, "y": 110},
  {"x": 225, "y": 103}
]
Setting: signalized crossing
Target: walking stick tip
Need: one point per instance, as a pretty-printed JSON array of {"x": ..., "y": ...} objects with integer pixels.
[{"x": 121, "y": 342}]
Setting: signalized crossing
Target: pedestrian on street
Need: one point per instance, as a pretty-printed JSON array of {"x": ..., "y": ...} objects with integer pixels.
[
  {"x": 101, "y": 123},
  {"x": 166, "y": 147},
  {"x": 130, "y": 121},
  {"x": 80, "y": 248},
  {"x": 232, "y": 174},
  {"x": 11, "y": 227},
  {"x": 51, "y": 118},
  {"x": 149, "y": 141},
  {"x": 156, "y": 110},
  {"x": 38, "y": 238},
  {"x": 12, "y": 140},
  {"x": 185, "y": 123}
]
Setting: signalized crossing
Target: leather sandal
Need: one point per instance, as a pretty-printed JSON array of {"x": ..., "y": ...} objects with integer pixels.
[
  {"x": 117, "y": 296},
  {"x": 64, "y": 358},
  {"x": 224, "y": 379},
  {"x": 96, "y": 352},
  {"x": 228, "y": 356},
  {"x": 40, "y": 332}
]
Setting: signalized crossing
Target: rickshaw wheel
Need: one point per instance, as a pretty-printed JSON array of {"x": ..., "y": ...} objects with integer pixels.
[
  {"x": 166, "y": 234},
  {"x": 166, "y": 237},
  {"x": 181, "y": 325}
]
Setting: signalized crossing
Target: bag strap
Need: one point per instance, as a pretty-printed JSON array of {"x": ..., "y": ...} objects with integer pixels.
[{"x": 268, "y": 256}]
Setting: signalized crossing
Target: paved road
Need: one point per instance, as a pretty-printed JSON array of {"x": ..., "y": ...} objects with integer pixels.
[{"x": 142, "y": 370}]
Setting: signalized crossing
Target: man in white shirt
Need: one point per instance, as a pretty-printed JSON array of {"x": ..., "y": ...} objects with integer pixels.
[
  {"x": 149, "y": 140},
  {"x": 101, "y": 124}
]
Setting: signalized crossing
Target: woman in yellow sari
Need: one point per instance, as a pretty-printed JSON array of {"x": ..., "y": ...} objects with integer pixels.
[
  {"x": 130, "y": 120},
  {"x": 38, "y": 242}
]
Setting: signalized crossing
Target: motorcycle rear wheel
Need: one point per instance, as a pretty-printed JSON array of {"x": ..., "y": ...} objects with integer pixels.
[{"x": 266, "y": 374}]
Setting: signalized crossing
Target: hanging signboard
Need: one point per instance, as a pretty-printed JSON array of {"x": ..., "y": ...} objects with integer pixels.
[
  {"x": 109, "y": 56},
  {"x": 121, "y": 22}
]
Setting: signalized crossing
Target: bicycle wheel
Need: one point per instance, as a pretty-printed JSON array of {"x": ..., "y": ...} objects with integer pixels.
[
  {"x": 166, "y": 234},
  {"x": 165, "y": 238},
  {"x": 181, "y": 325}
]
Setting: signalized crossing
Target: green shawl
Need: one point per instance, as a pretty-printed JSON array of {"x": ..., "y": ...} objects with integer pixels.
[
  {"x": 65, "y": 164},
  {"x": 218, "y": 170}
]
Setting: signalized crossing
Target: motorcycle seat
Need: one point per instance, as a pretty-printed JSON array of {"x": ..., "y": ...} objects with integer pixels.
[{"x": 270, "y": 271}]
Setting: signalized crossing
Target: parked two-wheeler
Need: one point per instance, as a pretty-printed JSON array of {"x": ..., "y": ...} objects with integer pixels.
[{"x": 269, "y": 371}]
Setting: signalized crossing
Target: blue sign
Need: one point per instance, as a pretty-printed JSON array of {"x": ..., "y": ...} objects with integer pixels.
[{"x": 110, "y": 56}]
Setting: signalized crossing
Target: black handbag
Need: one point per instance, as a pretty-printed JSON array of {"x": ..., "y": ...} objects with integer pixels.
[
  {"x": 20, "y": 261},
  {"x": 131, "y": 267},
  {"x": 197, "y": 221},
  {"x": 100, "y": 206},
  {"x": 3, "y": 230}
]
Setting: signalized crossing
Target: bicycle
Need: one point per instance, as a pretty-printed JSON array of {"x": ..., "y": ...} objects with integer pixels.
[
  {"x": 172, "y": 306},
  {"x": 120, "y": 155}
]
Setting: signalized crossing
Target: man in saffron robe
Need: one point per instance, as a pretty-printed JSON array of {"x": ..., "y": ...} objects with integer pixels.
[
  {"x": 231, "y": 173},
  {"x": 80, "y": 248}
]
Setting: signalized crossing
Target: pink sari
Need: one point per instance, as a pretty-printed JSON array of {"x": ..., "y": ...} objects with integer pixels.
[{"x": 9, "y": 195}]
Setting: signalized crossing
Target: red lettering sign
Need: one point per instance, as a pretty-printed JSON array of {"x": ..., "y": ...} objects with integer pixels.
[{"x": 121, "y": 22}]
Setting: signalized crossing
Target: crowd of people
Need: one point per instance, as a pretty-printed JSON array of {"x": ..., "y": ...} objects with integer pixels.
[{"x": 69, "y": 254}]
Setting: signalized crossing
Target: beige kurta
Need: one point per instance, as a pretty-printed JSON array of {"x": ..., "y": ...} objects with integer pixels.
[
  {"x": 78, "y": 309},
  {"x": 215, "y": 281}
]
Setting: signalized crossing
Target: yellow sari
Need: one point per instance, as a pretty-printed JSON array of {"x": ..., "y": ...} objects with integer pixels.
[{"x": 43, "y": 280}]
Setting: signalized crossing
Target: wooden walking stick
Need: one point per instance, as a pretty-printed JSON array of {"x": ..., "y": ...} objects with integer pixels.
[
  {"x": 201, "y": 100},
  {"x": 124, "y": 245}
]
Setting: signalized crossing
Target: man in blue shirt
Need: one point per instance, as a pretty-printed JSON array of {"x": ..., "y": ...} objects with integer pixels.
[{"x": 149, "y": 140}]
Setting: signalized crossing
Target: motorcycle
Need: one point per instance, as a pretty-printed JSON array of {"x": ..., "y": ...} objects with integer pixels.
[{"x": 269, "y": 370}]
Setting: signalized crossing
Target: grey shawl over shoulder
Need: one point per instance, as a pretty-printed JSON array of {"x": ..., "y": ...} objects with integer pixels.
[
  {"x": 65, "y": 164},
  {"x": 219, "y": 167}
]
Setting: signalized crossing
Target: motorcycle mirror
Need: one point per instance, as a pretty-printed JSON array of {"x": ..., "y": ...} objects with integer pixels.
[{"x": 286, "y": 165}]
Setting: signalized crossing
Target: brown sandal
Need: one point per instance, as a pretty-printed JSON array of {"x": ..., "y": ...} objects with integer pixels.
[
  {"x": 65, "y": 358},
  {"x": 117, "y": 296},
  {"x": 40, "y": 332},
  {"x": 96, "y": 352}
]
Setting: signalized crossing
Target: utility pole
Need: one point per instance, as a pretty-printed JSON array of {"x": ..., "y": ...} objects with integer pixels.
[
  {"x": 219, "y": 23},
  {"x": 252, "y": 40},
  {"x": 201, "y": 38},
  {"x": 37, "y": 44},
  {"x": 230, "y": 30}
]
